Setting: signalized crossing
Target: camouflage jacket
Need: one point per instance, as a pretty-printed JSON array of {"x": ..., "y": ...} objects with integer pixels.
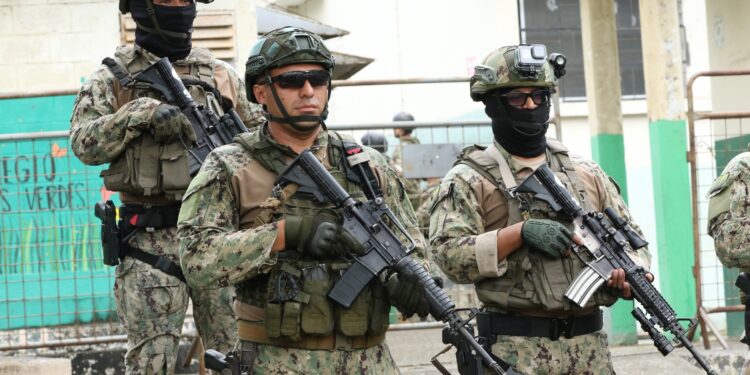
[
  {"x": 102, "y": 127},
  {"x": 215, "y": 249},
  {"x": 464, "y": 243},
  {"x": 729, "y": 213}
]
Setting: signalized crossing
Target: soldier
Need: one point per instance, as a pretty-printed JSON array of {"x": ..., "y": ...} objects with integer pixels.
[
  {"x": 412, "y": 185},
  {"x": 729, "y": 213},
  {"x": 514, "y": 250},
  {"x": 141, "y": 136},
  {"x": 377, "y": 141},
  {"x": 729, "y": 219},
  {"x": 282, "y": 249}
]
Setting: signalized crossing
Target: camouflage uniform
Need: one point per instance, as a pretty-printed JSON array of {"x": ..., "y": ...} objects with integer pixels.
[
  {"x": 729, "y": 219},
  {"x": 468, "y": 212},
  {"x": 411, "y": 185},
  {"x": 225, "y": 241},
  {"x": 729, "y": 213},
  {"x": 150, "y": 303}
]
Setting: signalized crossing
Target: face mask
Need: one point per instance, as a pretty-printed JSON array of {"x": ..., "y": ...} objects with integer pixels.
[
  {"x": 520, "y": 131},
  {"x": 171, "y": 20}
]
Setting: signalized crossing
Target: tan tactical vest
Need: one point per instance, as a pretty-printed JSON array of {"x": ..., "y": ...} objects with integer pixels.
[
  {"x": 149, "y": 172},
  {"x": 294, "y": 293},
  {"x": 532, "y": 282}
]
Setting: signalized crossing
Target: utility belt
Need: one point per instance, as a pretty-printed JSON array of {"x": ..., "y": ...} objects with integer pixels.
[
  {"x": 256, "y": 332},
  {"x": 132, "y": 219},
  {"x": 491, "y": 324}
]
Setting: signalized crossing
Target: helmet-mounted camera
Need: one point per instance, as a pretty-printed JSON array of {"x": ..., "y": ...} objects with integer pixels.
[{"x": 529, "y": 60}]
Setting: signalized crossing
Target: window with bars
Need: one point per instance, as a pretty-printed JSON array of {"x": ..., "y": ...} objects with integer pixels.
[
  {"x": 212, "y": 30},
  {"x": 557, "y": 24}
]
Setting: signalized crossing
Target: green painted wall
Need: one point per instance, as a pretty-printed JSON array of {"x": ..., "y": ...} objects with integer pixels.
[
  {"x": 673, "y": 214},
  {"x": 609, "y": 151},
  {"x": 50, "y": 255}
]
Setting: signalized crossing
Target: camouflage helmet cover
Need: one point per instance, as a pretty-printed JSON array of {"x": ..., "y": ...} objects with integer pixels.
[
  {"x": 285, "y": 46},
  {"x": 125, "y": 5},
  {"x": 499, "y": 70}
]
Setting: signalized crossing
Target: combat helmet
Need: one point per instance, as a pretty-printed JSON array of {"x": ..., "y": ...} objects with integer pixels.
[
  {"x": 285, "y": 46},
  {"x": 517, "y": 66}
]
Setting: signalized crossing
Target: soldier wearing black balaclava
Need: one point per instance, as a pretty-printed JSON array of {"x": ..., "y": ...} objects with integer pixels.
[
  {"x": 134, "y": 130},
  {"x": 515, "y": 249}
]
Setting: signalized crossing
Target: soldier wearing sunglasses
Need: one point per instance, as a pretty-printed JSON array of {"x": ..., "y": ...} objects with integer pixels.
[
  {"x": 513, "y": 249},
  {"x": 282, "y": 249}
]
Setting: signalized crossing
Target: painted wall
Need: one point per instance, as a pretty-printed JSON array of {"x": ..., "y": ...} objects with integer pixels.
[{"x": 55, "y": 44}]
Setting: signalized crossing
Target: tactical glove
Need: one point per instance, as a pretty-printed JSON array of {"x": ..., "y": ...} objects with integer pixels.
[
  {"x": 547, "y": 236},
  {"x": 168, "y": 124},
  {"x": 407, "y": 294},
  {"x": 319, "y": 236}
]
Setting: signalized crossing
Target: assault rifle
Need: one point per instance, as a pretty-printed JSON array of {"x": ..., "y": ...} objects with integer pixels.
[
  {"x": 211, "y": 131},
  {"x": 606, "y": 238},
  {"x": 369, "y": 223},
  {"x": 743, "y": 282},
  {"x": 224, "y": 365}
]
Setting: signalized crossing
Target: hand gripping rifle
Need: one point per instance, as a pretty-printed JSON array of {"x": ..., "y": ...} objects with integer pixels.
[
  {"x": 606, "y": 238},
  {"x": 369, "y": 224},
  {"x": 210, "y": 130}
]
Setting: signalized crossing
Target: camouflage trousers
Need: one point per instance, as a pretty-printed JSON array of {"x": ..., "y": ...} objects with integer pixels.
[
  {"x": 151, "y": 306},
  {"x": 580, "y": 355},
  {"x": 267, "y": 359}
]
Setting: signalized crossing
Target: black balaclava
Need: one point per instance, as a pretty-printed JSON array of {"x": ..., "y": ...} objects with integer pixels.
[
  {"x": 175, "y": 23},
  {"x": 520, "y": 131}
]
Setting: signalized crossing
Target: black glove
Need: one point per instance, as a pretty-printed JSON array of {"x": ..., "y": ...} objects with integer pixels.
[
  {"x": 320, "y": 236},
  {"x": 407, "y": 294},
  {"x": 168, "y": 124},
  {"x": 547, "y": 236}
]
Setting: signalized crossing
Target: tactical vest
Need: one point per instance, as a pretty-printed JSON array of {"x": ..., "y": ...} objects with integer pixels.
[
  {"x": 532, "y": 282},
  {"x": 148, "y": 169},
  {"x": 294, "y": 293}
]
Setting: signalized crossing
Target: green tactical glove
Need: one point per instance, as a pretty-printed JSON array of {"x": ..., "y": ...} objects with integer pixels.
[
  {"x": 319, "y": 236},
  {"x": 407, "y": 294},
  {"x": 168, "y": 124},
  {"x": 547, "y": 236}
]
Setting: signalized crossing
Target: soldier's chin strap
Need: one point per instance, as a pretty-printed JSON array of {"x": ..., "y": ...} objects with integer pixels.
[
  {"x": 293, "y": 120},
  {"x": 157, "y": 30}
]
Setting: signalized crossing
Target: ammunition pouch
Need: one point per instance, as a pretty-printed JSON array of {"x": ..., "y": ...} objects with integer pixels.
[
  {"x": 148, "y": 168},
  {"x": 299, "y": 311}
]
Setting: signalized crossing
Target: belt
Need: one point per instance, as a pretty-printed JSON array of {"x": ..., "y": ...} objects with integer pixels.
[
  {"x": 492, "y": 323},
  {"x": 256, "y": 332}
]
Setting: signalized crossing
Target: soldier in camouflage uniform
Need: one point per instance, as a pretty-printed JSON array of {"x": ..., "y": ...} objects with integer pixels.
[
  {"x": 729, "y": 218},
  {"x": 514, "y": 250},
  {"x": 282, "y": 249},
  {"x": 412, "y": 185},
  {"x": 729, "y": 213},
  {"x": 131, "y": 127}
]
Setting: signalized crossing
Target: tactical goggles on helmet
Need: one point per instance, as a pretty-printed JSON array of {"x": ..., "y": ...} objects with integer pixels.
[
  {"x": 296, "y": 79},
  {"x": 518, "y": 99}
]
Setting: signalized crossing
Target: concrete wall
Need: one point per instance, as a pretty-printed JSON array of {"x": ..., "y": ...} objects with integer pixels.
[
  {"x": 52, "y": 45},
  {"x": 728, "y": 49}
]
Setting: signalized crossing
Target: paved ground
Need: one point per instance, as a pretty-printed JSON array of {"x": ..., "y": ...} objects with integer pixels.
[{"x": 413, "y": 349}]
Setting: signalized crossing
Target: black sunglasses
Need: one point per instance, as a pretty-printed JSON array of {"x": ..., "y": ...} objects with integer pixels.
[
  {"x": 295, "y": 79},
  {"x": 518, "y": 99}
]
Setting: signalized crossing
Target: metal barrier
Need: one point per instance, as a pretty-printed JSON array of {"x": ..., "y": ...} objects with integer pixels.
[
  {"x": 54, "y": 289},
  {"x": 711, "y": 146}
]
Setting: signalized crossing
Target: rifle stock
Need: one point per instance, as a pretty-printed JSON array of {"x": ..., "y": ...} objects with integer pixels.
[
  {"x": 606, "y": 238},
  {"x": 368, "y": 223}
]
